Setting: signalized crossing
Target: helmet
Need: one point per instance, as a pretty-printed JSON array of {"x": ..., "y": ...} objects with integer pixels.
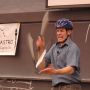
[{"x": 64, "y": 23}]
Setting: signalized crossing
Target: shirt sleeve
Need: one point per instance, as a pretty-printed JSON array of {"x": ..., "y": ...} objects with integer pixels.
[{"x": 73, "y": 57}]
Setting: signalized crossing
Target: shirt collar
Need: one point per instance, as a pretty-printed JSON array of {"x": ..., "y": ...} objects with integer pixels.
[{"x": 66, "y": 43}]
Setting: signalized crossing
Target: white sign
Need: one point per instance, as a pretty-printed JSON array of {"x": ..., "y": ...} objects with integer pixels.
[
  {"x": 68, "y": 2},
  {"x": 8, "y": 38}
]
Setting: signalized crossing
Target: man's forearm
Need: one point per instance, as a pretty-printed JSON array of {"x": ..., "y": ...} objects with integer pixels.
[
  {"x": 66, "y": 70},
  {"x": 41, "y": 64},
  {"x": 39, "y": 52}
]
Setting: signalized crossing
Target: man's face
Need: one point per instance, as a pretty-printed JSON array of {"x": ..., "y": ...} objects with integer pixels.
[{"x": 62, "y": 34}]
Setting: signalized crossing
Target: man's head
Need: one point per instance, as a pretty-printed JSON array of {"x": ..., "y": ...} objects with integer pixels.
[{"x": 64, "y": 29}]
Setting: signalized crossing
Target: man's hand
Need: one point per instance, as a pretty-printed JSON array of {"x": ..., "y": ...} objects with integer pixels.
[
  {"x": 40, "y": 43},
  {"x": 48, "y": 71}
]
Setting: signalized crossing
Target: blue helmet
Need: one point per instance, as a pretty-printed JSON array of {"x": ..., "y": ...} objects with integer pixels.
[{"x": 64, "y": 23}]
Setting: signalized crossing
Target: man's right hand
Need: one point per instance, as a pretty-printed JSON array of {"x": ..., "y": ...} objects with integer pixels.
[{"x": 40, "y": 43}]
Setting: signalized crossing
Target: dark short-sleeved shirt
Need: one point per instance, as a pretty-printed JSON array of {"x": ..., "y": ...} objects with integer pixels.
[{"x": 63, "y": 56}]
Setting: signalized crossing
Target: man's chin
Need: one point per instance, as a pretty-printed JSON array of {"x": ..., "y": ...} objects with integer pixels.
[{"x": 61, "y": 41}]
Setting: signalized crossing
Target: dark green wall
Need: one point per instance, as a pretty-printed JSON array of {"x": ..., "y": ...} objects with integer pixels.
[
  {"x": 29, "y": 13},
  {"x": 18, "y": 6}
]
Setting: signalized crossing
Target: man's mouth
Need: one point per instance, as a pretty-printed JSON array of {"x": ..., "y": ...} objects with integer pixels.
[{"x": 59, "y": 37}]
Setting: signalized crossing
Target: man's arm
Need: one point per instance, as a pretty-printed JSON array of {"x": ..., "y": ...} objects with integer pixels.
[
  {"x": 40, "y": 44},
  {"x": 65, "y": 70}
]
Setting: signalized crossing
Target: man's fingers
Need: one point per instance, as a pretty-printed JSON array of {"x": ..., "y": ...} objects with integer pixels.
[
  {"x": 45, "y": 70},
  {"x": 40, "y": 43}
]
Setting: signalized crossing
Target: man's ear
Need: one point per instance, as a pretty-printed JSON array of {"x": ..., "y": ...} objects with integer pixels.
[{"x": 69, "y": 32}]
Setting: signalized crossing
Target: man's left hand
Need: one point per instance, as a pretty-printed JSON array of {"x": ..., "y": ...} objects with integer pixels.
[{"x": 48, "y": 71}]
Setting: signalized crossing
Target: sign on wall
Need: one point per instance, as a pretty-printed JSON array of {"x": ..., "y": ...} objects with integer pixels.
[
  {"x": 8, "y": 38},
  {"x": 67, "y": 3}
]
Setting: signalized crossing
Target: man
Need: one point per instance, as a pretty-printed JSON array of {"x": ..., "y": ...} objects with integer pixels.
[{"x": 62, "y": 61}]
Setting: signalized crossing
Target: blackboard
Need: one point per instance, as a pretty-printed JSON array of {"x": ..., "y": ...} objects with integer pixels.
[{"x": 21, "y": 66}]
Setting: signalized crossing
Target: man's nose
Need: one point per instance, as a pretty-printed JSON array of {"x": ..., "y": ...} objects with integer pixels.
[{"x": 59, "y": 32}]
